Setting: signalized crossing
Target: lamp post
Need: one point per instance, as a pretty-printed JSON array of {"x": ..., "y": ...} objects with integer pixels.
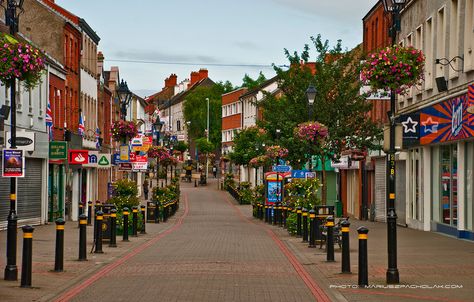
[
  {"x": 311, "y": 96},
  {"x": 392, "y": 276},
  {"x": 156, "y": 127},
  {"x": 12, "y": 12},
  {"x": 207, "y": 134},
  {"x": 125, "y": 96}
]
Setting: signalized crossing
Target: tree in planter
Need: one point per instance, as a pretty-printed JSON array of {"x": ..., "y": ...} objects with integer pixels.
[{"x": 338, "y": 104}]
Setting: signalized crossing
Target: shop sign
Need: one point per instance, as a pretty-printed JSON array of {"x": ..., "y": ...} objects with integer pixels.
[
  {"x": 116, "y": 159},
  {"x": 13, "y": 163},
  {"x": 57, "y": 150},
  {"x": 125, "y": 166},
  {"x": 93, "y": 159},
  {"x": 345, "y": 163},
  {"x": 448, "y": 120},
  {"x": 24, "y": 140},
  {"x": 140, "y": 166},
  {"x": 410, "y": 129},
  {"x": 124, "y": 153},
  {"x": 78, "y": 157},
  {"x": 104, "y": 160}
]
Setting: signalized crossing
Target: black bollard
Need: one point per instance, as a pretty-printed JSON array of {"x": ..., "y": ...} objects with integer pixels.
[
  {"x": 135, "y": 221},
  {"x": 113, "y": 228},
  {"x": 59, "y": 252},
  {"x": 143, "y": 230},
  {"x": 330, "y": 239},
  {"x": 125, "y": 224},
  {"x": 312, "y": 216},
  {"x": 298, "y": 221},
  {"x": 89, "y": 213},
  {"x": 305, "y": 224},
  {"x": 273, "y": 211},
  {"x": 266, "y": 213},
  {"x": 27, "y": 261},
  {"x": 98, "y": 239},
  {"x": 280, "y": 214},
  {"x": 157, "y": 212},
  {"x": 346, "y": 257},
  {"x": 363, "y": 263},
  {"x": 82, "y": 237},
  {"x": 81, "y": 211}
]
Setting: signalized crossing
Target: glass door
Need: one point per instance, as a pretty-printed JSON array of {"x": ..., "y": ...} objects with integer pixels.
[{"x": 449, "y": 188}]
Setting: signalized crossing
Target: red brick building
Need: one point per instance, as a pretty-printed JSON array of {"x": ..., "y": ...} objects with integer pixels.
[{"x": 231, "y": 116}]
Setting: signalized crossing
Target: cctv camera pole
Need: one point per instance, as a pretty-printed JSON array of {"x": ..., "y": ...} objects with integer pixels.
[{"x": 11, "y": 269}]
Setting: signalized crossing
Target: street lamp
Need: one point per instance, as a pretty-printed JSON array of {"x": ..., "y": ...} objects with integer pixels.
[
  {"x": 311, "y": 96},
  {"x": 12, "y": 12},
  {"x": 392, "y": 276},
  {"x": 125, "y": 96},
  {"x": 207, "y": 135}
]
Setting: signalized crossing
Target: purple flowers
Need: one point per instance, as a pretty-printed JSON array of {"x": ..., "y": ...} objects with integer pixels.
[
  {"x": 21, "y": 61},
  {"x": 394, "y": 68}
]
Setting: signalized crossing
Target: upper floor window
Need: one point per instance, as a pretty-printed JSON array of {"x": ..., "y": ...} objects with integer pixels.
[{"x": 178, "y": 125}]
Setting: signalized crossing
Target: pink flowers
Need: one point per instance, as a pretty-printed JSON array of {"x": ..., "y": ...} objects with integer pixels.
[
  {"x": 21, "y": 61},
  {"x": 160, "y": 153},
  {"x": 259, "y": 161},
  {"x": 276, "y": 151},
  {"x": 311, "y": 131},
  {"x": 394, "y": 68},
  {"x": 123, "y": 130}
]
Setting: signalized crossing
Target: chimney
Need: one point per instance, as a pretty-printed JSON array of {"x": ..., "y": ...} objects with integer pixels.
[
  {"x": 203, "y": 74},
  {"x": 173, "y": 80},
  {"x": 100, "y": 62},
  {"x": 194, "y": 78}
]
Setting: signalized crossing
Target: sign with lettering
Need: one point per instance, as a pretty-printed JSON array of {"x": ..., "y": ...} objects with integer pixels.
[
  {"x": 124, "y": 153},
  {"x": 78, "y": 157},
  {"x": 448, "y": 120},
  {"x": 57, "y": 150},
  {"x": 410, "y": 129},
  {"x": 13, "y": 163},
  {"x": 24, "y": 140}
]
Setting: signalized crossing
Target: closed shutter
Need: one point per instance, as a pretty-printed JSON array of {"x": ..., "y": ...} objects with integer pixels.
[
  {"x": 4, "y": 200},
  {"x": 30, "y": 192},
  {"x": 380, "y": 189}
]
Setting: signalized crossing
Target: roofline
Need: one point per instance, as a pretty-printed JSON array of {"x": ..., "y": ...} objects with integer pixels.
[
  {"x": 372, "y": 10},
  {"x": 259, "y": 87},
  {"x": 89, "y": 31},
  {"x": 233, "y": 91}
]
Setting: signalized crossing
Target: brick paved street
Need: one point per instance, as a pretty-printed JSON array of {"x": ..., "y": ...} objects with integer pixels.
[{"x": 213, "y": 250}]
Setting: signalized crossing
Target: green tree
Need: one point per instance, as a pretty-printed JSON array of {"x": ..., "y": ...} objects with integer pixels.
[
  {"x": 338, "y": 104},
  {"x": 250, "y": 83},
  {"x": 204, "y": 146},
  {"x": 195, "y": 111},
  {"x": 181, "y": 146}
]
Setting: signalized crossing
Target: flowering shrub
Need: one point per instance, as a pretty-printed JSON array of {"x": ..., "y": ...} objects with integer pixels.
[
  {"x": 124, "y": 130},
  {"x": 159, "y": 152},
  {"x": 259, "y": 161},
  {"x": 311, "y": 132},
  {"x": 276, "y": 151},
  {"x": 21, "y": 61},
  {"x": 302, "y": 192},
  {"x": 394, "y": 68}
]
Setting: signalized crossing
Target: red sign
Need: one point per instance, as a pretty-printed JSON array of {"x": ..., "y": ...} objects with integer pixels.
[
  {"x": 78, "y": 157},
  {"x": 141, "y": 159},
  {"x": 133, "y": 157}
]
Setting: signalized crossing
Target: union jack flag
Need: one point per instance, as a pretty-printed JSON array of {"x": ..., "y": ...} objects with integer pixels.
[
  {"x": 81, "y": 128},
  {"x": 49, "y": 121},
  {"x": 97, "y": 136}
]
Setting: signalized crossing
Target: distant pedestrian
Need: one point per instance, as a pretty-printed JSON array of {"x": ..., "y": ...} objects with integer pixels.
[
  {"x": 145, "y": 188},
  {"x": 214, "y": 171}
]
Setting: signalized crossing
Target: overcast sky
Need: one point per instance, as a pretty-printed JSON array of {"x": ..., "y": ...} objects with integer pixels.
[{"x": 187, "y": 35}]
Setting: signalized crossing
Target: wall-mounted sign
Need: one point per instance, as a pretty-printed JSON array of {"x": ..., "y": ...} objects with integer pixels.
[
  {"x": 140, "y": 166},
  {"x": 24, "y": 140},
  {"x": 448, "y": 120},
  {"x": 78, "y": 157},
  {"x": 411, "y": 129},
  {"x": 125, "y": 166},
  {"x": 13, "y": 163},
  {"x": 58, "y": 150},
  {"x": 93, "y": 159},
  {"x": 116, "y": 159},
  {"x": 104, "y": 161}
]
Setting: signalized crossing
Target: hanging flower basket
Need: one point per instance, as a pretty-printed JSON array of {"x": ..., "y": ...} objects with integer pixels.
[
  {"x": 159, "y": 152},
  {"x": 20, "y": 61},
  {"x": 312, "y": 132},
  {"x": 124, "y": 130},
  {"x": 259, "y": 161},
  {"x": 276, "y": 151},
  {"x": 394, "y": 68}
]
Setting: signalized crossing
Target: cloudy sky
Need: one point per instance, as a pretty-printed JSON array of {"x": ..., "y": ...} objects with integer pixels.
[{"x": 228, "y": 37}]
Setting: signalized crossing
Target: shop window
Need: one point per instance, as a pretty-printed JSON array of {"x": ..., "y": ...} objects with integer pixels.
[
  {"x": 415, "y": 198},
  {"x": 449, "y": 187},
  {"x": 469, "y": 200}
]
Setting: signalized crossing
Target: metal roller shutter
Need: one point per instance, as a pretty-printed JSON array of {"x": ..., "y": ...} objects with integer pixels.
[
  {"x": 380, "y": 189},
  {"x": 4, "y": 200},
  {"x": 30, "y": 192}
]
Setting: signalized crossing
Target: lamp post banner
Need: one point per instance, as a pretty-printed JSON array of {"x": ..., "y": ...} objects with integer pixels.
[{"x": 13, "y": 163}]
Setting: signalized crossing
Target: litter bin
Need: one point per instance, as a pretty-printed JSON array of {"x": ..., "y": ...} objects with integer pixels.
[
  {"x": 106, "y": 232},
  {"x": 150, "y": 211}
]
